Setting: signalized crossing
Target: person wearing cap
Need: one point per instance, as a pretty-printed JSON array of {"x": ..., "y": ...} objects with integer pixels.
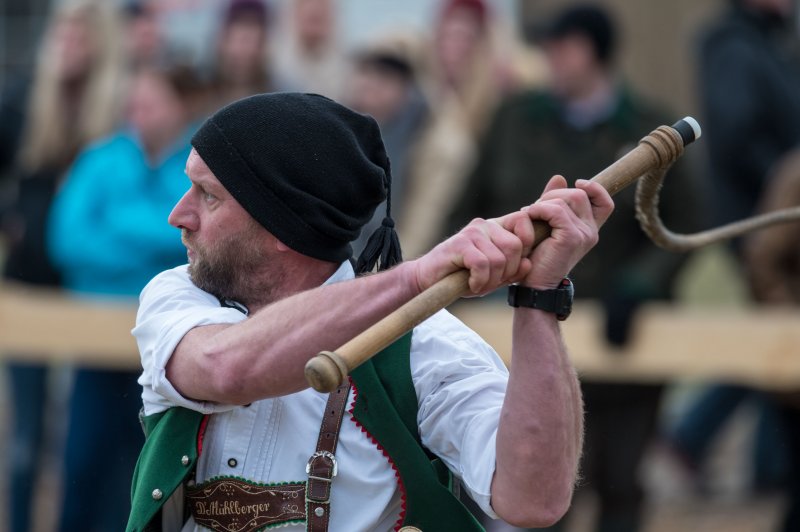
[
  {"x": 584, "y": 120},
  {"x": 280, "y": 185}
]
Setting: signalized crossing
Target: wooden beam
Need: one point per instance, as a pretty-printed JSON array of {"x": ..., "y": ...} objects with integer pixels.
[
  {"x": 756, "y": 346},
  {"x": 759, "y": 346},
  {"x": 48, "y": 326}
]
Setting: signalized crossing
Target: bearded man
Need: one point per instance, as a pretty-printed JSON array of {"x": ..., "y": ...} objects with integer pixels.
[{"x": 280, "y": 186}]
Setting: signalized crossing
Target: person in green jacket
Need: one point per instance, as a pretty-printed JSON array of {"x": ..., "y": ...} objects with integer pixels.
[
  {"x": 582, "y": 122},
  {"x": 280, "y": 184}
]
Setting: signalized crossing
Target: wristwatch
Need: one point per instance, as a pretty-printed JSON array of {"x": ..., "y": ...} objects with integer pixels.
[{"x": 557, "y": 300}]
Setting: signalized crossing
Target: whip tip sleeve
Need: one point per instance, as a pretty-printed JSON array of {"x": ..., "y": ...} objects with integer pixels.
[{"x": 689, "y": 130}]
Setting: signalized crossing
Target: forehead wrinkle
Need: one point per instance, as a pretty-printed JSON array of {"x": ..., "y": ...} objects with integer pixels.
[{"x": 205, "y": 178}]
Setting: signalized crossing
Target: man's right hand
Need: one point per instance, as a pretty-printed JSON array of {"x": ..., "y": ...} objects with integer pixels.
[{"x": 499, "y": 252}]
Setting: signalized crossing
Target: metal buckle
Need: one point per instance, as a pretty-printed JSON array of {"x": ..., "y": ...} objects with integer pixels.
[{"x": 328, "y": 455}]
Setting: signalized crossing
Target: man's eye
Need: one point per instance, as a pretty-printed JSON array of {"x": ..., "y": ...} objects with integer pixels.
[{"x": 208, "y": 197}]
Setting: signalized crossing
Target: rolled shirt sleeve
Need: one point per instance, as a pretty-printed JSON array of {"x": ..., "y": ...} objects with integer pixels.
[
  {"x": 461, "y": 383},
  {"x": 169, "y": 307}
]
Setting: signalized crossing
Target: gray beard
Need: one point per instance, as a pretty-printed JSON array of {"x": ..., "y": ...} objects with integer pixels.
[{"x": 232, "y": 269}]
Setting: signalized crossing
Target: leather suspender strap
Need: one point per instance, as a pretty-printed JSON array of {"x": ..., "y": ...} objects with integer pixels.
[{"x": 322, "y": 466}]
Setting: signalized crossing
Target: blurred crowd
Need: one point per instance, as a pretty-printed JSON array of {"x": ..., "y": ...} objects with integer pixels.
[{"x": 93, "y": 141}]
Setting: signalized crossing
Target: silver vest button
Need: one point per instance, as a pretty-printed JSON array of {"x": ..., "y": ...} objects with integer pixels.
[
  {"x": 185, "y": 460},
  {"x": 157, "y": 494},
  {"x": 319, "y": 511}
]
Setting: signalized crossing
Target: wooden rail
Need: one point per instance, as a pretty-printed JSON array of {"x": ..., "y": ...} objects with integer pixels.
[
  {"x": 45, "y": 325},
  {"x": 756, "y": 346}
]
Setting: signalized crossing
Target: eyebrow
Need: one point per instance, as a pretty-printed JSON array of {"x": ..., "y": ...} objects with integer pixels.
[
  {"x": 200, "y": 180},
  {"x": 205, "y": 183}
]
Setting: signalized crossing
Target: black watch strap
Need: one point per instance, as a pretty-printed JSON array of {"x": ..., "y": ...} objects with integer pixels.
[{"x": 558, "y": 300}]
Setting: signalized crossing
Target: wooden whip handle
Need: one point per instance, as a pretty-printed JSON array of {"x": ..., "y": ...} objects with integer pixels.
[{"x": 326, "y": 371}]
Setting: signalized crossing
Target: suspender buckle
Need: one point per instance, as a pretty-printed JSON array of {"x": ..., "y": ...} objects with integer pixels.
[{"x": 330, "y": 456}]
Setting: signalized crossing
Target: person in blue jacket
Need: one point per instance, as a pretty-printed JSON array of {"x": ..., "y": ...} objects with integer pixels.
[{"x": 108, "y": 235}]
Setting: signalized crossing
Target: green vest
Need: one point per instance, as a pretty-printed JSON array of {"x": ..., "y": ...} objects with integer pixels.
[{"x": 386, "y": 406}]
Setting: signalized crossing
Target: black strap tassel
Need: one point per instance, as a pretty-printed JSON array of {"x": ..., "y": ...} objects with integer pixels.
[
  {"x": 383, "y": 249},
  {"x": 383, "y": 246}
]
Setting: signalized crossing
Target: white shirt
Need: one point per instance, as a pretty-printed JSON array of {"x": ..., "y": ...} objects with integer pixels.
[{"x": 460, "y": 382}]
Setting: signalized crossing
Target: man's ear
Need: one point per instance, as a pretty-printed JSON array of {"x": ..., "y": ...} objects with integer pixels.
[{"x": 280, "y": 246}]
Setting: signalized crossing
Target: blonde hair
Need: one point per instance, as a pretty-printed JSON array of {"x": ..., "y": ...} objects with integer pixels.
[{"x": 51, "y": 137}]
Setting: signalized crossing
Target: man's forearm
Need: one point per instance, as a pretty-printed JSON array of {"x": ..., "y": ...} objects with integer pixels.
[
  {"x": 264, "y": 356},
  {"x": 540, "y": 434}
]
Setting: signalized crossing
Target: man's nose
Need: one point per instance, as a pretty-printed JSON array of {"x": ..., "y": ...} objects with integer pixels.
[{"x": 183, "y": 215}]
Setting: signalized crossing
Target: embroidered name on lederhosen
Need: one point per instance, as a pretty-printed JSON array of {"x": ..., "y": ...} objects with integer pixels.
[{"x": 230, "y": 504}]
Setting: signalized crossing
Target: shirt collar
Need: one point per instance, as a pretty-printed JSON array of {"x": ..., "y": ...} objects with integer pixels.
[{"x": 344, "y": 273}]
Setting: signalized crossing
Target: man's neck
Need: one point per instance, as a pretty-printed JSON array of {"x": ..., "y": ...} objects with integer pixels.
[
  {"x": 305, "y": 275},
  {"x": 592, "y": 105}
]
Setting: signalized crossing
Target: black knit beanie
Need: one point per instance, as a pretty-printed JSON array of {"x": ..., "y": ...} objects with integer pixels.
[{"x": 309, "y": 170}]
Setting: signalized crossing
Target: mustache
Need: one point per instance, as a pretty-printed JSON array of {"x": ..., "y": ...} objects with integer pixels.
[{"x": 186, "y": 238}]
